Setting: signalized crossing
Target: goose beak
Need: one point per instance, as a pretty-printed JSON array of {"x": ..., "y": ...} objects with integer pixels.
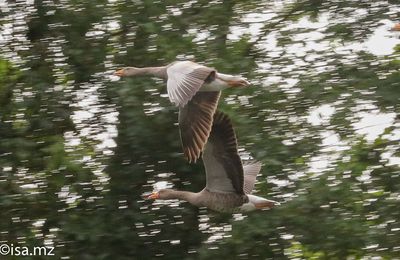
[
  {"x": 396, "y": 27},
  {"x": 119, "y": 73},
  {"x": 153, "y": 196},
  {"x": 266, "y": 204},
  {"x": 245, "y": 83},
  {"x": 238, "y": 83}
]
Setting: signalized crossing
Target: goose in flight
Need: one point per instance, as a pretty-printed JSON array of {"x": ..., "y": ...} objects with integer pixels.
[
  {"x": 228, "y": 183},
  {"x": 195, "y": 89}
]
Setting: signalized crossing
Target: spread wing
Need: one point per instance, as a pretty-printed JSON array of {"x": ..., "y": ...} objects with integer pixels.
[
  {"x": 223, "y": 165},
  {"x": 250, "y": 175},
  {"x": 185, "y": 78},
  {"x": 195, "y": 122}
]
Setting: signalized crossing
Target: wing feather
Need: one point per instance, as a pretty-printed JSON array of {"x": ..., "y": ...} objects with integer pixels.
[
  {"x": 250, "y": 175},
  {"x": 185, "y": 78},
  {"x": 195, "y": 122},
  {"x": 221, "y": 160}
]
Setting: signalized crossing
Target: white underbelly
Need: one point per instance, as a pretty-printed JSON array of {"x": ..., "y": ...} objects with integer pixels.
[{"x": 247, "y": 207}]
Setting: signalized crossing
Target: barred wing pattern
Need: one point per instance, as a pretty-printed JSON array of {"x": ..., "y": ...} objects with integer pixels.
[
  {"x": 185, "y": 78},
  {"x": 195, "y": 122},
  {"x": 221, "y": 160}
]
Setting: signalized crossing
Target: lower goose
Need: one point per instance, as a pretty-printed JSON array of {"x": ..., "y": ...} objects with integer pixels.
[{"x": 229, "y": 183}]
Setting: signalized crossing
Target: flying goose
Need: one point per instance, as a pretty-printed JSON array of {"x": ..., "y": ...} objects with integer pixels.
[
  {"x": 228, "y": 183},
  {"x": 195, "y": 89}
]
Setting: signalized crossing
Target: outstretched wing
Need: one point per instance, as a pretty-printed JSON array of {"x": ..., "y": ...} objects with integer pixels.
[
  {"x": 221, "y": 160},
  {"x": 250, "y": 175},
  {"x": 185, "y": 78},
  {"x": 195, "y": 122}
]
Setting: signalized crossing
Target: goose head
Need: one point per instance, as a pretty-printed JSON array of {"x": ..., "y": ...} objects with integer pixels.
[
  {"x": 163, "y": 194},
  {"x": 128, "y": 72}
]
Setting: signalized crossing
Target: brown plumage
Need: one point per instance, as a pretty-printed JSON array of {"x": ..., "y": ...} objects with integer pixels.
[{"x": 195, "y": 121}]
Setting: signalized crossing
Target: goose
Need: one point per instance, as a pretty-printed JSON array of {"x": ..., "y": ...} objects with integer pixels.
[
  {"x": 195, "y": 89},
  {"x": 229, "y": 183}
]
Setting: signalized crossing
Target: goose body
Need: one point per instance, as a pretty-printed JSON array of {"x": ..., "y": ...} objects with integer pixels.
[
  {"x": 229, "y": 183},
  {"x": 195, "y": 89}
]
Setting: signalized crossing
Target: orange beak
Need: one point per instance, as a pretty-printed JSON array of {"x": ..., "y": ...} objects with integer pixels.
[
  {"x": 266, "y": 204},
  {"x": 119, "y": 73},
  {"x": 396, "y": 27},
  {"x": 238, "y": 83},
  {"x": 153, "y": 196}
]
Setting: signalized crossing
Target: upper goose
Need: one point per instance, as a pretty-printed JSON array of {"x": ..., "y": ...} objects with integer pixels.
[
  {"x": 228, "y": 182},
  {"x": 195, "y": 89}
]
